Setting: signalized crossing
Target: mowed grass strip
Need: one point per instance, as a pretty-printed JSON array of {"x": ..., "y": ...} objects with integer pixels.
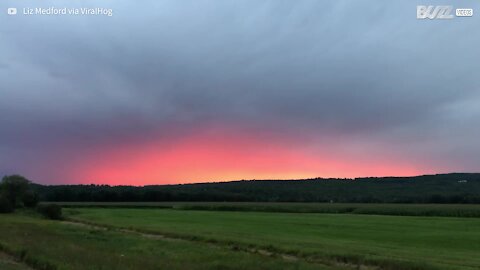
[
  {"x": 66, "y": 246},
  {"x": 392, "y": 242}
]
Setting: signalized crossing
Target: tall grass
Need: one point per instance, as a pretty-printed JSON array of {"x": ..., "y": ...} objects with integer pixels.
[{"x": 440, "y": 210}]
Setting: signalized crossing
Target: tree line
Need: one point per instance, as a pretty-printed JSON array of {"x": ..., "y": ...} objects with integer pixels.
[{"x": 445, "y": 188}]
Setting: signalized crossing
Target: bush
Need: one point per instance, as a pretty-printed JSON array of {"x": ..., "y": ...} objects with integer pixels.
[
  {"x": 50, "y": 211},
  {"x": 30, "y": 199},
  {"x": 5, "y": 205}
]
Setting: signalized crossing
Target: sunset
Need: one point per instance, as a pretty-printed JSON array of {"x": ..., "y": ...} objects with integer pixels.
[
  {"x": 239, "y": 135},
  {"x": 222, "y": 156},
  {"x": 268, "y": 93}
]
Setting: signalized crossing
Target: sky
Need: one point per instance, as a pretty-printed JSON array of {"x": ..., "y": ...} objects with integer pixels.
[{"x": 169, "y": 91}]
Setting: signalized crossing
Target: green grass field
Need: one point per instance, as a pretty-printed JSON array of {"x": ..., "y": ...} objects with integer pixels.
[
  {"x": 388, "y": 241},
  {"x": 441, "y": 210},
  {"x": 45, "y": 244},
  {"x": 176, "y": 238}
]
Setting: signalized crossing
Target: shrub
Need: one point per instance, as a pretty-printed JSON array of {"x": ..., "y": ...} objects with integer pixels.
[
  {"x": 30, "y": 199},
  {"x": 5, "y": 205},
  {"x": 50, "y": 211}
]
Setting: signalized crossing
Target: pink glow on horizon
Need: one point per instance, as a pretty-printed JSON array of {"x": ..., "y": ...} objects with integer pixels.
[{"x": 223, "y": 157}]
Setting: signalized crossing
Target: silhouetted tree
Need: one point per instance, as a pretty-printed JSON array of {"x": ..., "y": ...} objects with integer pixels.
[{"x": 13, "y": 187}]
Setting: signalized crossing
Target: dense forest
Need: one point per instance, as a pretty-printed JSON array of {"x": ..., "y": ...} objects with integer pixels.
[{"x": 444, "y": 188}]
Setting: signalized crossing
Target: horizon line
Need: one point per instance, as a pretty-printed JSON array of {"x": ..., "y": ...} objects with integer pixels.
[{"x": 240, "y": 180}]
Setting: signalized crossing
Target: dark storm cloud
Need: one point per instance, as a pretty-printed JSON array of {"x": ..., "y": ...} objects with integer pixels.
[{"x": 366, "y": 71}]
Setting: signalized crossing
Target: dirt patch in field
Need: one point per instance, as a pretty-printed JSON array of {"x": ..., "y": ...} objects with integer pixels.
[{"x": 85, "y": 225}]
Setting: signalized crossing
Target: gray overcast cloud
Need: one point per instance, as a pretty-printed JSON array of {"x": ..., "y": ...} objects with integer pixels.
[{"x": 365, "y": 76}]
